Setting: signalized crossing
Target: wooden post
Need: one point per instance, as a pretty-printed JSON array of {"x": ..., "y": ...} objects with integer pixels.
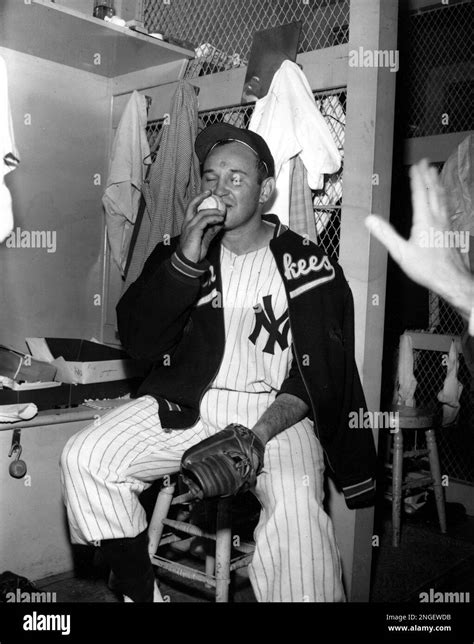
[
  {"x": 223, "y": 548},
  {"x": 437, "y": 480},
  {"x": 160, "y": 512},
  {"x": 367, "y": 185},
  {"x": 397, "y": 482}
]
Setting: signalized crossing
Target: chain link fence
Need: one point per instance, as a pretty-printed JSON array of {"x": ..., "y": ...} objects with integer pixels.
[
  {"x": 222, "y": 30},
  {"x": 327, "y": 201},
  {"x": 436, "y": 68},
  {"x": 443, "y": 318}
]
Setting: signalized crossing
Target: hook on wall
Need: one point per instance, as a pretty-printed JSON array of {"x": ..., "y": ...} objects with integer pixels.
[
  {"x": 149, "y": 101},
  {"x": 17, "y": 468}
]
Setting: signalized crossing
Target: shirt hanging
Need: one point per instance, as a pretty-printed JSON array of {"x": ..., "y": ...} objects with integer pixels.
[
  {"x": 173, "y": 179},
  {"x": 126, "y": 174},
  {"x": 291, "y": 124}
]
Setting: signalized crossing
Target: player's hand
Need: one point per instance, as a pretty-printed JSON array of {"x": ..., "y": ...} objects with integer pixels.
[
  {"x": 441, "y": 269},
  {"x": 199, "y": 228}
]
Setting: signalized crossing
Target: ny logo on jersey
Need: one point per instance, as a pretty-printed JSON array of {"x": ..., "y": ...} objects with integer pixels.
[{"x": 265, "y": 319}]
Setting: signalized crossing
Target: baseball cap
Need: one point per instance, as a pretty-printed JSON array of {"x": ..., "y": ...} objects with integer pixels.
[{"x": 208, "y": 138}]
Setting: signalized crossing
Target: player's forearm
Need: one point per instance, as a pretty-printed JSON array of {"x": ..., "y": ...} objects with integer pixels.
[{"x": 284, "y": 412}]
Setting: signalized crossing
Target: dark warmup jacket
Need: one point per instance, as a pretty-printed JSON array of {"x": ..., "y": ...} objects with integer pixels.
[{"x": 172, "y": 315}]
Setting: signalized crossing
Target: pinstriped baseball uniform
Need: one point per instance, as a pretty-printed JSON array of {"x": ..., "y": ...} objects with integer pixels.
[
  {"x": 104, "y": 468},
  {"x": 249, "y": 378}
]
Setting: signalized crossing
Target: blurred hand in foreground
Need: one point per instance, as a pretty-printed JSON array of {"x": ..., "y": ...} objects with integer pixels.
[{"x": 439, "y": 267}]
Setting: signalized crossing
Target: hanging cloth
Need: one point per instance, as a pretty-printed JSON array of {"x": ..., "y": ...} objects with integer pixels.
[
  {"x": 8, "y": 153},
  {"x": 301, "y": 215},
  {"x": 406, "y": 380},
  {"x": 141, "y": 210},
  {"x": 452, "y": 388},
  {"x": 124, "y": 183},
  {"x": 291, "y": 124},
  {"x": 172, "y": 181}
]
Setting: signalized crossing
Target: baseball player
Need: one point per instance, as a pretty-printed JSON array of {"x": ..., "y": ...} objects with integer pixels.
[{"x": 250, "y": 331}]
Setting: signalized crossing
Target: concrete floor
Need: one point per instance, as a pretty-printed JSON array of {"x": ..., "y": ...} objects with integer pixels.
[
  {"x": 89, "y": 581},
  {"x": 425, "y": 559},
  {"x": 92, "y": 585}
]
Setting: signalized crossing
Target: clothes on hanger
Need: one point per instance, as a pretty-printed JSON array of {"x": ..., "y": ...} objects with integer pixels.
[
  {"x": 126, "y": 175},
  {"x": 172, "y": 181},
  {"x": 291, "y": 124},
  {"x": 8, "y": 153},
  {"x": 155, "y": 142}
]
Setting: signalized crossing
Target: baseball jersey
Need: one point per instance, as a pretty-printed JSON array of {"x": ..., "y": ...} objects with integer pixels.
[{"x": 257, "y": 353}]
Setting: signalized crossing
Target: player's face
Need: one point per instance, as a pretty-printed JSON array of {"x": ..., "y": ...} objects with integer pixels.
[{"x": 230, "y": 171}]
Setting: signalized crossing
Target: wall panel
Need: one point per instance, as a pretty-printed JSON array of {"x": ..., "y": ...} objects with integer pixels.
[{"x": 62, "y": 145}]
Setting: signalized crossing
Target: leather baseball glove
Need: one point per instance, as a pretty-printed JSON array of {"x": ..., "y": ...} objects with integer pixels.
[{"x": 223, "y": 464}]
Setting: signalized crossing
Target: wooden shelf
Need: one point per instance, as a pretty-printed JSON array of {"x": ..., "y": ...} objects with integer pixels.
[{"x": 65, "y": 36}]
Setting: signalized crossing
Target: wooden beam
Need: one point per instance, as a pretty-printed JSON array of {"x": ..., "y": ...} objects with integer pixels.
[
  {"x": 149, "y": 78},
  {"x": 324, "y": 69},
  {"x": 367, "y": 184},
  {"x": 434, "y": 341},
  {"x": 435, "y": 148},
  {"x": 428, "y": 5}
]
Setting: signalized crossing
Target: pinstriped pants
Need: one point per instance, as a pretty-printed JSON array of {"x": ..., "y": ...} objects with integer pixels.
[{"x": 108, "y": 464}]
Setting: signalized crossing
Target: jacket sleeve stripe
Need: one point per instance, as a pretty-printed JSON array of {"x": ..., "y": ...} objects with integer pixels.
[
  {"x": 180, "y": 264},
  {"x": 360, "y": 488}
]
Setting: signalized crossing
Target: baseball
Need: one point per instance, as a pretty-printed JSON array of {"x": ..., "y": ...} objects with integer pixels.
[{"x": 212, "y": 202}]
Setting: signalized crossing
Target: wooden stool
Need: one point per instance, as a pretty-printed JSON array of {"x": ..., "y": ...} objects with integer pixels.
[
  {"x": 415, "y": 418},
  {"x": 218, "y": 567}
]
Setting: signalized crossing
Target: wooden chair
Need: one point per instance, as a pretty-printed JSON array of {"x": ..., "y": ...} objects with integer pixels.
[
  {"x": 413, "y": 419},
  {"x": 219, "y": 565}
]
